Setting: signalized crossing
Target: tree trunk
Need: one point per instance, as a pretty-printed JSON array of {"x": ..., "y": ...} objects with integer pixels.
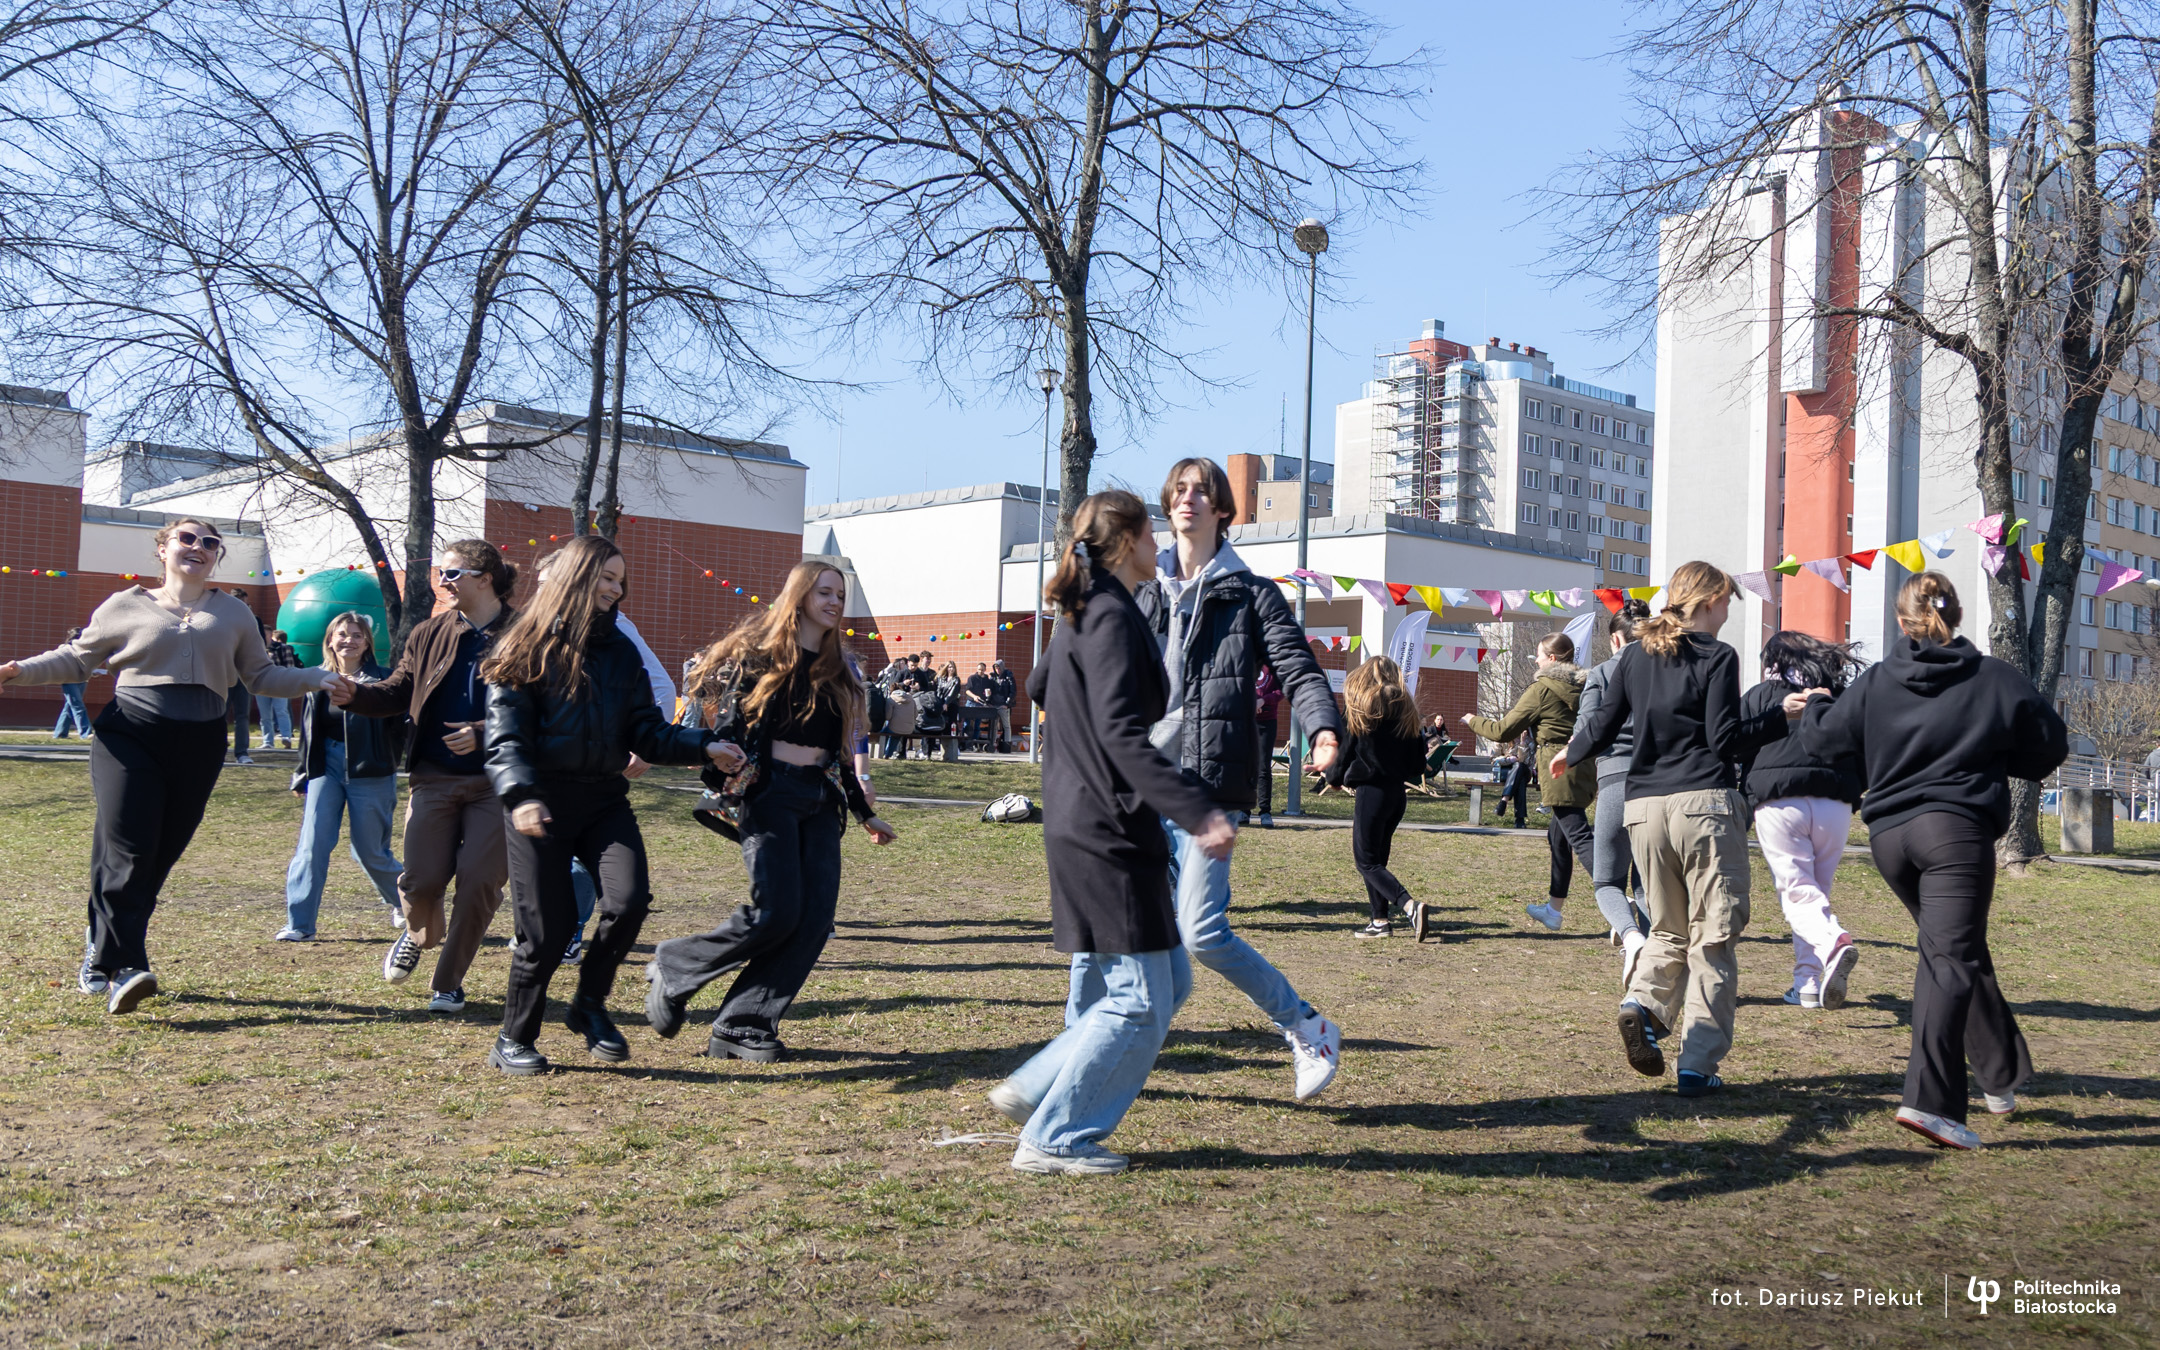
[
  {"x": 1076, "y": 446},
  {"x": 610, "y": 491},
  {"x": 596, "y": 400}
]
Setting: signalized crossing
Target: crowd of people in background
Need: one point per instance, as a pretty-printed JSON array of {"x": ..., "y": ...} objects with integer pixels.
[{"x": 521, "y": 728}]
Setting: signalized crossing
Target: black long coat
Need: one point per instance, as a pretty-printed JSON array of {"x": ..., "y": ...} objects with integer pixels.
[{"x": 1105, "y": 788}]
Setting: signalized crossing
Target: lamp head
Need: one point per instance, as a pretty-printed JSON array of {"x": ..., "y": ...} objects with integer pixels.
[
  {"x": 1311, "y": 236},
  {"x": 1047, "y": 379}
]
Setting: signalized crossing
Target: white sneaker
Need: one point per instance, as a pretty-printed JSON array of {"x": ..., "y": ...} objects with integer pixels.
[
  {"x": 1632, "y": 943},
  {"x": 1803, "y": 997},
  {"x": 1547, "y": 914},
  {"x": 1086, "y": 1160},
  {"x": 291, "y": 934},
  {"x": 397, "y": 915},
  {"x": 1007, "y": 1101},
  {"x": 2000, "y": 1106},
  {"x": 1837, "y": 969},
  {"x": 1315, "y": 1052},
  {"x": 398, "y": 963},
  {"x": 1940, "y": 1129}
]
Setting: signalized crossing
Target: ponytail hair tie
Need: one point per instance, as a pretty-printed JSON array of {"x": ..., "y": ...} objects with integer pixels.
[
  {"x": 1080, "y": 551},
  {"x": 1940, "y": 602}
]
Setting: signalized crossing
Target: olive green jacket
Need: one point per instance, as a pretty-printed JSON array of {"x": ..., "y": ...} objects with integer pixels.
[{"x": 1548, "y": 707}]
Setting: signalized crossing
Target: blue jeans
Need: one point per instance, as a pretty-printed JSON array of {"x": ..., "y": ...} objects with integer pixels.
[
  {"x": 1202, "y": 886},
  {"x": 71, "y": 710},
  {"x": 331, "y": 798},
  {"x": 588, "y": 895},
  {"x": 1116, "y": 1017},
  {"x": 275, "y": 714}
]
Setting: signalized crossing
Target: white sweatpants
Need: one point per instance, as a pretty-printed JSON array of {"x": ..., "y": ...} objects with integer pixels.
[{"x": 1802, "y": 840}]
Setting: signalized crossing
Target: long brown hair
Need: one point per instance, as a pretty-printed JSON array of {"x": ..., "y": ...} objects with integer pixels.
[
  {"x": 545, "y": 643},
  {"x": 1928, "y": 609},
  {"x": 1106, "y": 528},
  {"x": 1694, "y": 586},
  {"x": 365, "y": 623},
  {"x": 764, "y": 646},
  {"x": 1374, "y": 696}
]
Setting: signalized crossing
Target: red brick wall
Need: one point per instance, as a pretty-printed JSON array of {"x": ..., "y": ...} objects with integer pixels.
[
  {"x": 901, "y": 634},
  {"x": 43, "y": 525}
]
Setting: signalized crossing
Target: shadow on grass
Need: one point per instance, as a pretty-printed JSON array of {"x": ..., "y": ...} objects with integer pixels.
[{"x": 2083, "y": 1012}]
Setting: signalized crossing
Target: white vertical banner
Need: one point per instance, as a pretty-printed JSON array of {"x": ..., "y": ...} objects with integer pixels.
[
  {"x": 1578, "y": 632},
  {"x": 1408, "y": 645}
]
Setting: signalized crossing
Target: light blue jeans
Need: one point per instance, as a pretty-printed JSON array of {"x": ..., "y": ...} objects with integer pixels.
[
  {"x": 72, "y": 711},
  {"x": 275, "y": 714},
  {"x": 332, "y": 798},
  {"x": 1202, "y": 887},
  {"x": 1116, "y": 1016}
]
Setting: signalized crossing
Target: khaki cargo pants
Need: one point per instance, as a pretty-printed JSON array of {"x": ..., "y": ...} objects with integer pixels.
[{"x": 1691, "y": 849}]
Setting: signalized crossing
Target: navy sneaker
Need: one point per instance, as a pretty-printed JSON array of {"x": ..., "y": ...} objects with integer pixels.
[
  {"x": 90, "y": 979},
  {"x": 1638, "y": 1035},
  {"x": 1693, "y": 1084}
]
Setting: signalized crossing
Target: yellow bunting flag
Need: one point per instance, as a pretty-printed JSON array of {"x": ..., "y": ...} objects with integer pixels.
[
  {"x": 1434, "y": 601},
  {"x": 1643, "y": 592},
  {"x": 2040, "y": 553},
  {"x": 1907, "y": 555}
]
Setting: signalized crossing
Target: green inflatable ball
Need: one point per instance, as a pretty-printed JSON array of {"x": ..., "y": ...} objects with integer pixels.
[{"x": 315, "y": 600}]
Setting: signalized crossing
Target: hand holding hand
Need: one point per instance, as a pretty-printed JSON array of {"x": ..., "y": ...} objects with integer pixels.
[
  {"x": 726, "y": 755},
  {"x": 1323, "y": 754},
  {"x": 1218, "y": 836},
  {"x": 338, "y": 687},
  {"x": 1559, "y": 765},
  {"x": 880, "y": 832},
  {"x": 635, "y": 768},
  {"x": 463, "y": 741},
  {"x": 531, "y": 819}
]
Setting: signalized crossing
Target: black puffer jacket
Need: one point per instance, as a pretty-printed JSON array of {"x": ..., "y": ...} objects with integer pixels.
[
  {"x": 1240, "y": 621},
  {"x": 1784, "y": 767},
  {"x": 538, "y": 736},
  {"x": 373, "y": 745}
]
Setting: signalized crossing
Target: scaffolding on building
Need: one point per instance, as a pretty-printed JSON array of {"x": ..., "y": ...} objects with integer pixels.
[{"x": 1428, "y": 446}]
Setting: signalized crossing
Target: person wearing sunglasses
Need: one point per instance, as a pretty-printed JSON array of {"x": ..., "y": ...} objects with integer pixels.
[
  {"x": 454, "y": 833},
  {"x": 174, "y": 650}
]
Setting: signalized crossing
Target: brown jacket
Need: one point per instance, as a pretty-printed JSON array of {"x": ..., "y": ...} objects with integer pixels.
[
  {"x": 1548, "y": 706},
  {"x": 429, "y": 653}
]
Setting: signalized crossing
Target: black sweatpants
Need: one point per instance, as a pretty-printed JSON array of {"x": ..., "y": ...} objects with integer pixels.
[
  {"x": 152, "y": 778},
  {"x": 1569, "y": 836},
  {"x": 1942, "y": 865},
  {"x": 1375, "y": 812},
  {"x": 791, "y": 834},
  {"x": 592, "y": 823},
  {"x": 1264, "y": 779}
]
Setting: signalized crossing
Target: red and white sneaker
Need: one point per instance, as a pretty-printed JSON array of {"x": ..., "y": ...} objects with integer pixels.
[
  {"x": 1315, "y": 1052},
  {"x": 1940, "y": 1129},
  {"x": 1837, "y": 969}
]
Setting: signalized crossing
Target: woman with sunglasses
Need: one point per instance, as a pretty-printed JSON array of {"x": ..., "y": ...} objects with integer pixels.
[{"x": 174, "y": 650}]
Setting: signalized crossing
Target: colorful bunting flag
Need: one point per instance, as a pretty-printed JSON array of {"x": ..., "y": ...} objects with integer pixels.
[
  {"x": 1612, "y": 597},
  {"x": 2040, "y": 553},
  {"x": 2114, "y": 574},
  {"x": 1399, "y": 590},
  {"x": 1545, "y": 600},
  {"x": 1572, "y": 597},
  {"x": 1907, "y": 555},
  {"x": 1378, "y": 590},
  {"x": 1496, "y": 599},
  {"x": 1864, "y": 559},
  {"x": 1989, "y": 528},
  {"x": 1431, "y": 596},
  {"x": 1456, "y": 595},
  {"x": 1643, "y": 592},
  {"x": 1756, "y": 582},
  {"x": 1515, "y": 599},
  {"x": 1828, "y": 570},
  {"x": 1938, "y": 543},
  {"x": 1789, "y": 566}
]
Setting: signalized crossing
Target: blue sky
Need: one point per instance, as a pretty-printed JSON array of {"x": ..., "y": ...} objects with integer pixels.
[{"x": 1511, "y": 100}]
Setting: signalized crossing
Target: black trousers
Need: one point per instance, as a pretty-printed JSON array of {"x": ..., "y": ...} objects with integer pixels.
[
  {"x": 592, "y": 823},
  {"x": 152, "y": 778},
  {"x": 1517, "y": 791},
  {"x": 1375, "y": 812},
  {"x": 1571, "y": 839},
  {"x": 1264, "y": 780},
  {"x": 239, "y": 705},
  {"x": 791, "y": 849},
  {"x": 1941, "y": 864}
]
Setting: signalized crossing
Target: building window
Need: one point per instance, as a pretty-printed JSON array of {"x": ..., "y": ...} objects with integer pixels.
[
  {"x": 1559, "y": 414},
  {"x": 1642, "y": 500},
  {"x": 1597, "y": 524},
  {"x": 1533, "y": 445},
  {"x": 1642, "y": 467},
  {"x": 1597, "y": 558},
  {"x": 2115, "y": 511},
  {"x": 1642, "y": 435},
  {"x": 1313, "y": 500},
  {"x": 2017, "y": 485},
  {"x": 1532, "y": 479},
  {"x": 1642, "y": 533},
  {"x": 2047, "y": 489},
  {"x": 2113, "y": 618},
  {"x": 1597, "y": 458},
  {"x": 2115, "y": 459},
  {"x": 1597, "y": 490},
  {"x": 1534, "y": 410},
  {"x": 1642, "y": 565},
  {"x": 1531, "y": 516},
  {"x": 2085, "y": 663},
  {"x": 1574, "y": 520},
  {"x": 2085, "y": 613},
  {"x": 1620, "y": 430},
  {"x": 1575, "y": 453},
  {"x": 1574, "y": 487},
  {"x": 1575, "y": 418},
  {"x": 1597, "y": 424}
]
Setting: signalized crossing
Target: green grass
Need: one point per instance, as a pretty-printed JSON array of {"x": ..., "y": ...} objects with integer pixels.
[{"x": 283, "y": 1150}]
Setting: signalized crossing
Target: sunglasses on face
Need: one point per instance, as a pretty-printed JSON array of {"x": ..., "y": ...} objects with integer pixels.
[
  {"x": 190, "y": 539},
  {"x": 453, "y": 573}
]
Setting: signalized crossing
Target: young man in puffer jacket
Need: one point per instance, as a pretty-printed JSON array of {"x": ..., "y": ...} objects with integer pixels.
[{"x": 1218, "y": 624}]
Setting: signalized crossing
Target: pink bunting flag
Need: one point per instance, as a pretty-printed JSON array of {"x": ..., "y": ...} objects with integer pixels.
[
  {"x": 1378, "y": 591},
  {"x": 1493, "y": 598},
  {"x": 1515, "y": 599},
  {"x": 2113, "y": 574},
  {"x": 1756, "y": 582},
  {"x": 1828, "y": 570},
  {"x": 1992, "y": 557},
  {"x": 1989, "y": 528},
  {"x": 1572, "y": 597},
  {"x": 1316, "y": 578}
]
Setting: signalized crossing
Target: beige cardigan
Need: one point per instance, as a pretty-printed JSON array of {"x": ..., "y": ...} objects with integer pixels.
[{"x": 217, "y": 646}]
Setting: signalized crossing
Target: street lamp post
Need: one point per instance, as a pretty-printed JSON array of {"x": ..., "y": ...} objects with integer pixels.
[
  {"x": 1312, "y": 240},
  {"x": 1048, "y": 380}
]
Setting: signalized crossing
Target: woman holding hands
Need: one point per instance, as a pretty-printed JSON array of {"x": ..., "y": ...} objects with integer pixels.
[
  {"x": 569, "y": 703},
  {"x": 175, "y": 651}
]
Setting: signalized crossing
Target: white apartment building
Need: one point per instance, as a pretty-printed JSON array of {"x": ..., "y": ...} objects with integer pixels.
[{"x": 1490, "y": 435}]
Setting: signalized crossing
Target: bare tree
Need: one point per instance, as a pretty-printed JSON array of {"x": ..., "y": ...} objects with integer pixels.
[
  {"x": 2028, "y": 224},
  {"x": 1043, "y": 180},
  {"x": 673, "y": 104},
  {"x": 308, "y": 220},
  {"x": 2120, "y": 717}
]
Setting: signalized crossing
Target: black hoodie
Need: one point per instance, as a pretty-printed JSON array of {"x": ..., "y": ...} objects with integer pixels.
[
  {"x": 1939, "y": 728},
  {"x": 1783, "y": 767}
]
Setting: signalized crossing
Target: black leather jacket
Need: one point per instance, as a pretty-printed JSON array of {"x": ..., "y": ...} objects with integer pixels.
[
  {"x": 1241, "y": 622},
  {"x": 538, "y": 736},
  {"x": 373, "y": 745}
]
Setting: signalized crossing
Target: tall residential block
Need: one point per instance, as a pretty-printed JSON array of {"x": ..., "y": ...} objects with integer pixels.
[{"x": 1490, "y": 435}]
